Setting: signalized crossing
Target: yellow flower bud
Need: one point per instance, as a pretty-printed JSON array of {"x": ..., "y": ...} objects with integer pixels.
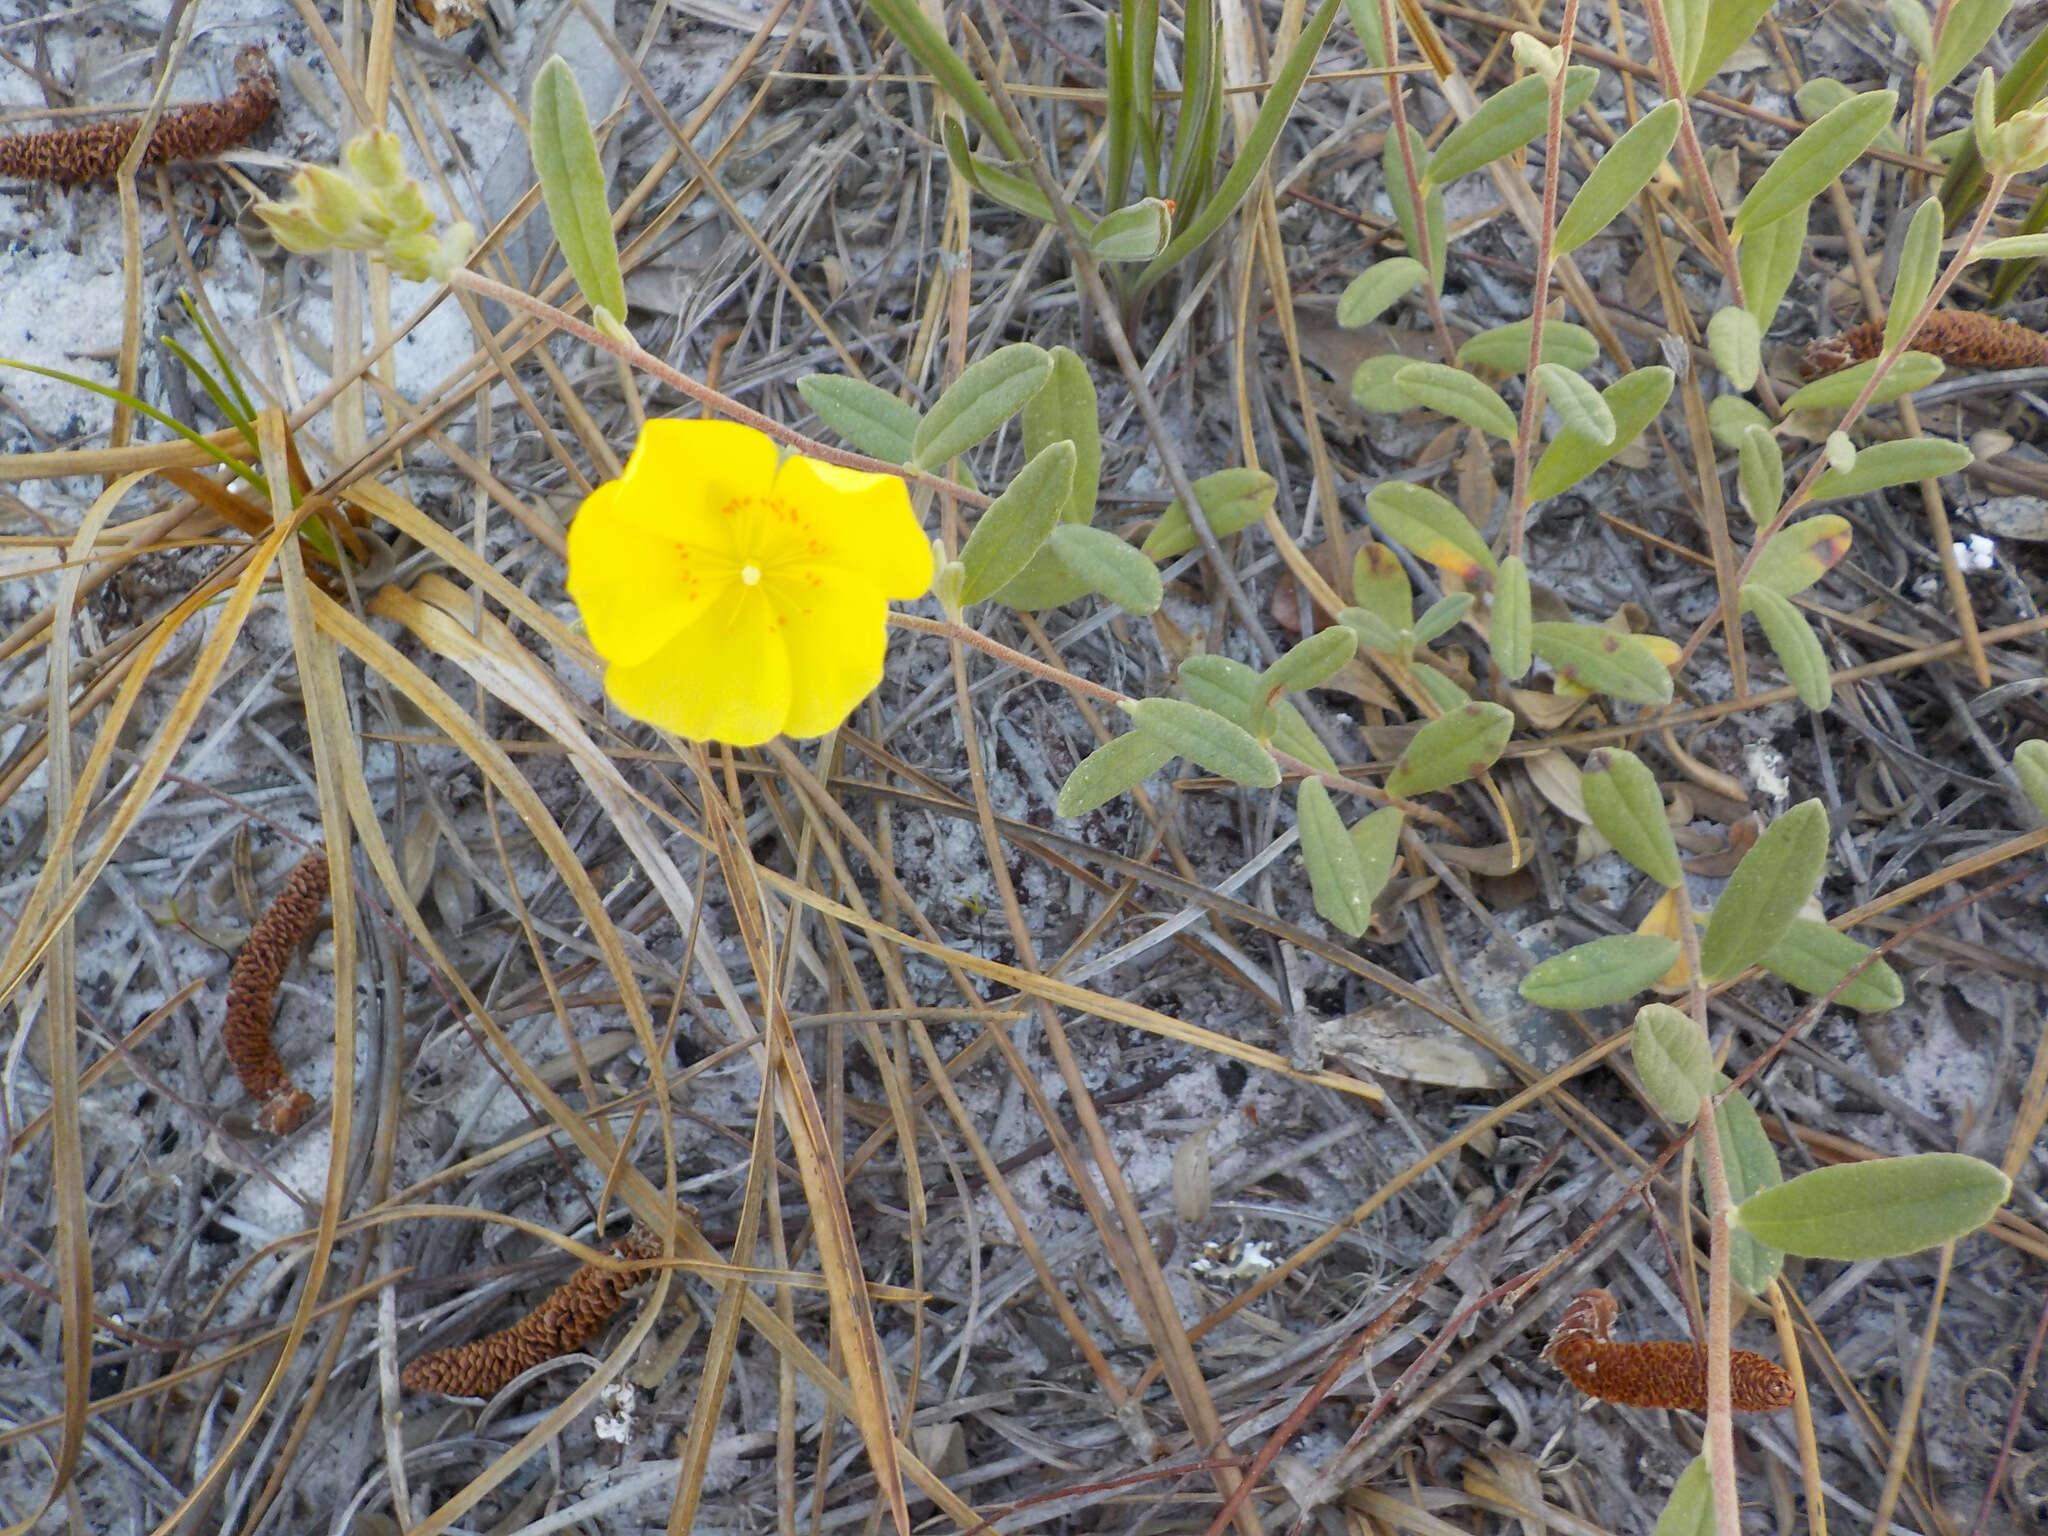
[
  {"x": 377, "y": 160},
  {"x": 333, "y": 200},
  {"x": 294, "y": 227}
]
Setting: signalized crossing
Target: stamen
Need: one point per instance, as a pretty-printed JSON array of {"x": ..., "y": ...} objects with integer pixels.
[{"x": 750, "y": 574}]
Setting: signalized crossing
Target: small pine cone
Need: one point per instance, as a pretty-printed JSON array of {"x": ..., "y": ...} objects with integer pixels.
[
  {"x": 252, "y": 985},
  {"x": 1960, "y": 336},
  {"x": 1661, "y": 1373},
  {"x": 567, "y": 1319},
  {"x": 71, "y": 157}
]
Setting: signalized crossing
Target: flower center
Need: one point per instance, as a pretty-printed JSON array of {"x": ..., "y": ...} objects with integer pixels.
[{"x": 750, "y": 574}]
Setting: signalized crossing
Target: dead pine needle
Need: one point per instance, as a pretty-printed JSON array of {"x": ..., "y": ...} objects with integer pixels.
[
  {"x": 1659, "y": 1373},
  {"x": 252, "y": 987},
  {"x": 71, "y": 157},
  {"x": 567, "y": 1319}
]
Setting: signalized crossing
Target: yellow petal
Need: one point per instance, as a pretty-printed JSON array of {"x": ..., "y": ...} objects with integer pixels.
[
  {"x": 860, "y": 522},
  {"x": 725, "y": 678},
  {"x": 836, "y": 626},
  {"x": 684, "y": 475},
  {"x": 634, "y": 589}
]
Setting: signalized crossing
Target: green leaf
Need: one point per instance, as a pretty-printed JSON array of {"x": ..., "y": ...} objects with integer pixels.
[
  {"x": 1797, "y": 647},
  {"x": 1762, "y": 474},
  {"x": 1044, "y": 583},
  {"x": 1730, "y": 24},
  {"x": 1137, "y": 232},
  {"x": 1822, "y": 152},
  {"x": 1231, "y": 499},
  {"x": 1603, "y": 660},
  {"x": 1751, "y": 1164},
  {"x": 1736, "y": 341},
  {"x": 1437, "y": 225},
  {"x": 1373, "y": 633},
  {"x": 1687, "y": 22},
  {"x": 1367, "y": 296},
  {"x": 2011, "y": 248},
  {"x": 1674, "y": 1058},
  {"x": 1918, "y": 259},
  {"x": 1015, "y": 526},
  {"x": 1506, "y": 121},
  {"x": 1335, "y": 879},
  {"x": 1459, "y": 746},
  {"x": 1109, "y": 566},
  {"x": 2030, "y": 764},
  {"x": 1430, "y": 528},
  {"x": 1379, "y": 583},
  {"x": 1617, "y": 178},
  {"x": 1765, "y": 893},
  {"x": 1311, "y": 663},
  {"x": 1896, "y": 463},
  {"x": 1509, "y": 618},
  {"x": 1442, "y": 616},
  {"x": 1232, "y": 690},
  {"x": 924, "y": 42},
  {"x": 1577, "y": 403},
  {"x": 1815, "y": 958},
  {"x": 1633, "y": 400},
  {"x": 1365, "y": 21},
  {"x": 1506, "y": 347},
  {"x": 1800, "y": 553},
  {"x": 1373, "y": 387},
  {"x": 1884, "y": 1208},
  {"x": 1066, "y": 408},
  {"x": 1120, "y": 764},
  {"x": 1971, "y": 24},
  {"x": 1446, "y": 695},
  {"x": 1768, "y": 260},
  {"x": 866, "y": 415},
  {"x": 1909, "y": 17},
  {"x": 1605, "y": 971},
  {"x": 1378, "y": 841},
  {"x": 1690, "y": 1509},
  {"x": 572, "y": 180},
  {"x": 1018, "y": 193},
  {"x": 1823, "y": 93},
  {"x": 986, "y": 395},
  {"x": 1627, "y": 808},
  {"x": 1731, "y": 417},
  {"x": 1456, "y": 394},
  {"x": 1913, "y": 370},
  {"x": 1207, "y": 739}
]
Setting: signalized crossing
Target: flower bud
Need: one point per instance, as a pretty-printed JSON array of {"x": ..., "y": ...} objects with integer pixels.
[
  {"x": 294, "y": 227},
  {"x": 377, "y": 160},
  {"x": 2019, "y": 144},
  {"x": 951, "y": 581},
  {"x": 1537, "y": 57},
  {"x": 333, "y": 201}
]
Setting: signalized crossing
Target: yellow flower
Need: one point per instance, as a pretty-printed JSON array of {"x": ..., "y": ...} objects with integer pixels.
[{"x": 733, "y": 599}]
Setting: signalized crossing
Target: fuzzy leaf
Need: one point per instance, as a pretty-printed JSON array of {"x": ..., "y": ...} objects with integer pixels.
[
  {"x": 1765, "y": 893},
  {"x": 1379, "y": 582},
  {"x": 1618, "y": 177},
  {"x": 2030, "y": 765},
  {"x": 1822, "y": 152},
  {"x": 1762, "y": 474},
  {"x": 1434, "y": 222},
  {"x": 1441, "y": 617},
  {"x": 1207, "y": 739},
  {"x": 1897, "y": 463},
  {"x": 1506, "y": 121},
  {"x": 1751, "y": 1164},
  {"x": 1690, "y": 1509},
  {"x": 1633, "y": 400},
  {"x": 1109, "y": 566},
  {"x": 1335, "y": 879},
  {"x": 1120, "y": 764},
  {"x": 1675, "y": 1060},
  {"x": 1800, "y": 553},
  {"x": 1453, "y": 392},
  {"x": 572, "y": 180},
  {"x": 1971, "y": 24},
  {"x": 1918, "y": 259},
  {"x": 1627, "y": 808},
  {"x": 1815, "y": 958},
  {"x": 1509, "y": 618},
  {"x": 1014, "y": 527},
  {"x": 1373, "y": 633},
  {"x": 1430, "y": 528},
  {"x": 1605, "y": 971},
  {"x": 1797, "y": 647},
  {"x": 1311, "y": 663},
  {"x": 1506, "y": 347},
  {"x": 1736, "y": 341},
  {"x": 1913, "y": 370},
  {"x": 1577, "y": 403},
  {"x": 1884, "y": 1208},
  {"x": 1231, "y": 499},
  {"x": 1378, "y": 841},
  {"x": 1137, "y": 232},
  {"x": 1232, "y": 689},
  {"x": 1066, "y": 408},
  {"x": 1373, "y": 387},
  {"x": 1459, "y": 746},
  {"x": 1445, "y": 694},
  {"x": 1603, "y": 660},
  {"x": 986, "y": 395},
  {"x": 867, "y": 416},
  {"x": 1369, "y": 294},
  {"x": 1768, "y": 260}
]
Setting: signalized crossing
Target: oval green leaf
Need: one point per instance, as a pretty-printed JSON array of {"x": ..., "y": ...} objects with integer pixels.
[
  {"x": 1690, "y": 1509},
  {"x": 1918, "y": 259},
  {"x": 1137, "y": 232},
  {"x": 1603, "y": 661},
  {"x": 1311, "y": 663},
  {"x": 1897, "y": 463},
  {"x": 1015, "y": 526},
  {"x": 1453, "y": 392},
  {"x": 1619, "y": 175},
  {"x": 1822, "y": 152},
  {"x": 1429, "y": 527},
  {"x": 1373, "y": 387},
  {"x": 1506, "y": 121},
  {"x": 1578, "y": 404},
  {"x": 1232, "y": 689},
  {"x": 1379, "y": 582},
  {"x": 1736, "y": 341},
  {"x": 2030, "y": 765},
  {"x": 1459, "y": 746},
  {"x": 1913, "y": 370},
  {"x": 1509, "y": 618},
  {"x": 1768, "y": 261},
  {"x": 1120, "y": 764},
  {"x": 864, "y": 414},
  {"x": 1675, "y": 1059},
  {"x": 1761, "y": 476},
  {"x": 1800, "y": 553},
  {"x": 1633, "y": 400},
  {"x": 1766, "y": 891},
  {"x": 1884, "y": 1208},
  {"x": 1797, "y": 647},
  {"x": 1751, "y": 1164},
  {"x": 1441, "y": 617},
  {"x": 1731, "y": 417},
  {"x": 1368, "y": 294},
  {"x": 1506, "y": 347},
  {"x": 1207, "y": 739},
  {"x": 1230, "y": 499},
  {"x": 572, "y": 180},
  {"x": 986, "y": 395},
  {"x": 1335, "y": 880},
  {"x": 1444, "y": 693},
  {"x": 1066, "y": 408},
  {"x": 1109, "y": 566},
  {"x": 1970, "y": 26},
  {"x": 1608, "y": 970},
  {"x": 1729, "y": 24},
  {"x": 1398, "y": 190},
  {"x": 1373, "y": 633},
  {"x": 1815, "y": 958},
  {"x": 1378, "y": 841},
  {"x": 1627, "y": 808},
  {"x": 1044, "y": 583}
]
